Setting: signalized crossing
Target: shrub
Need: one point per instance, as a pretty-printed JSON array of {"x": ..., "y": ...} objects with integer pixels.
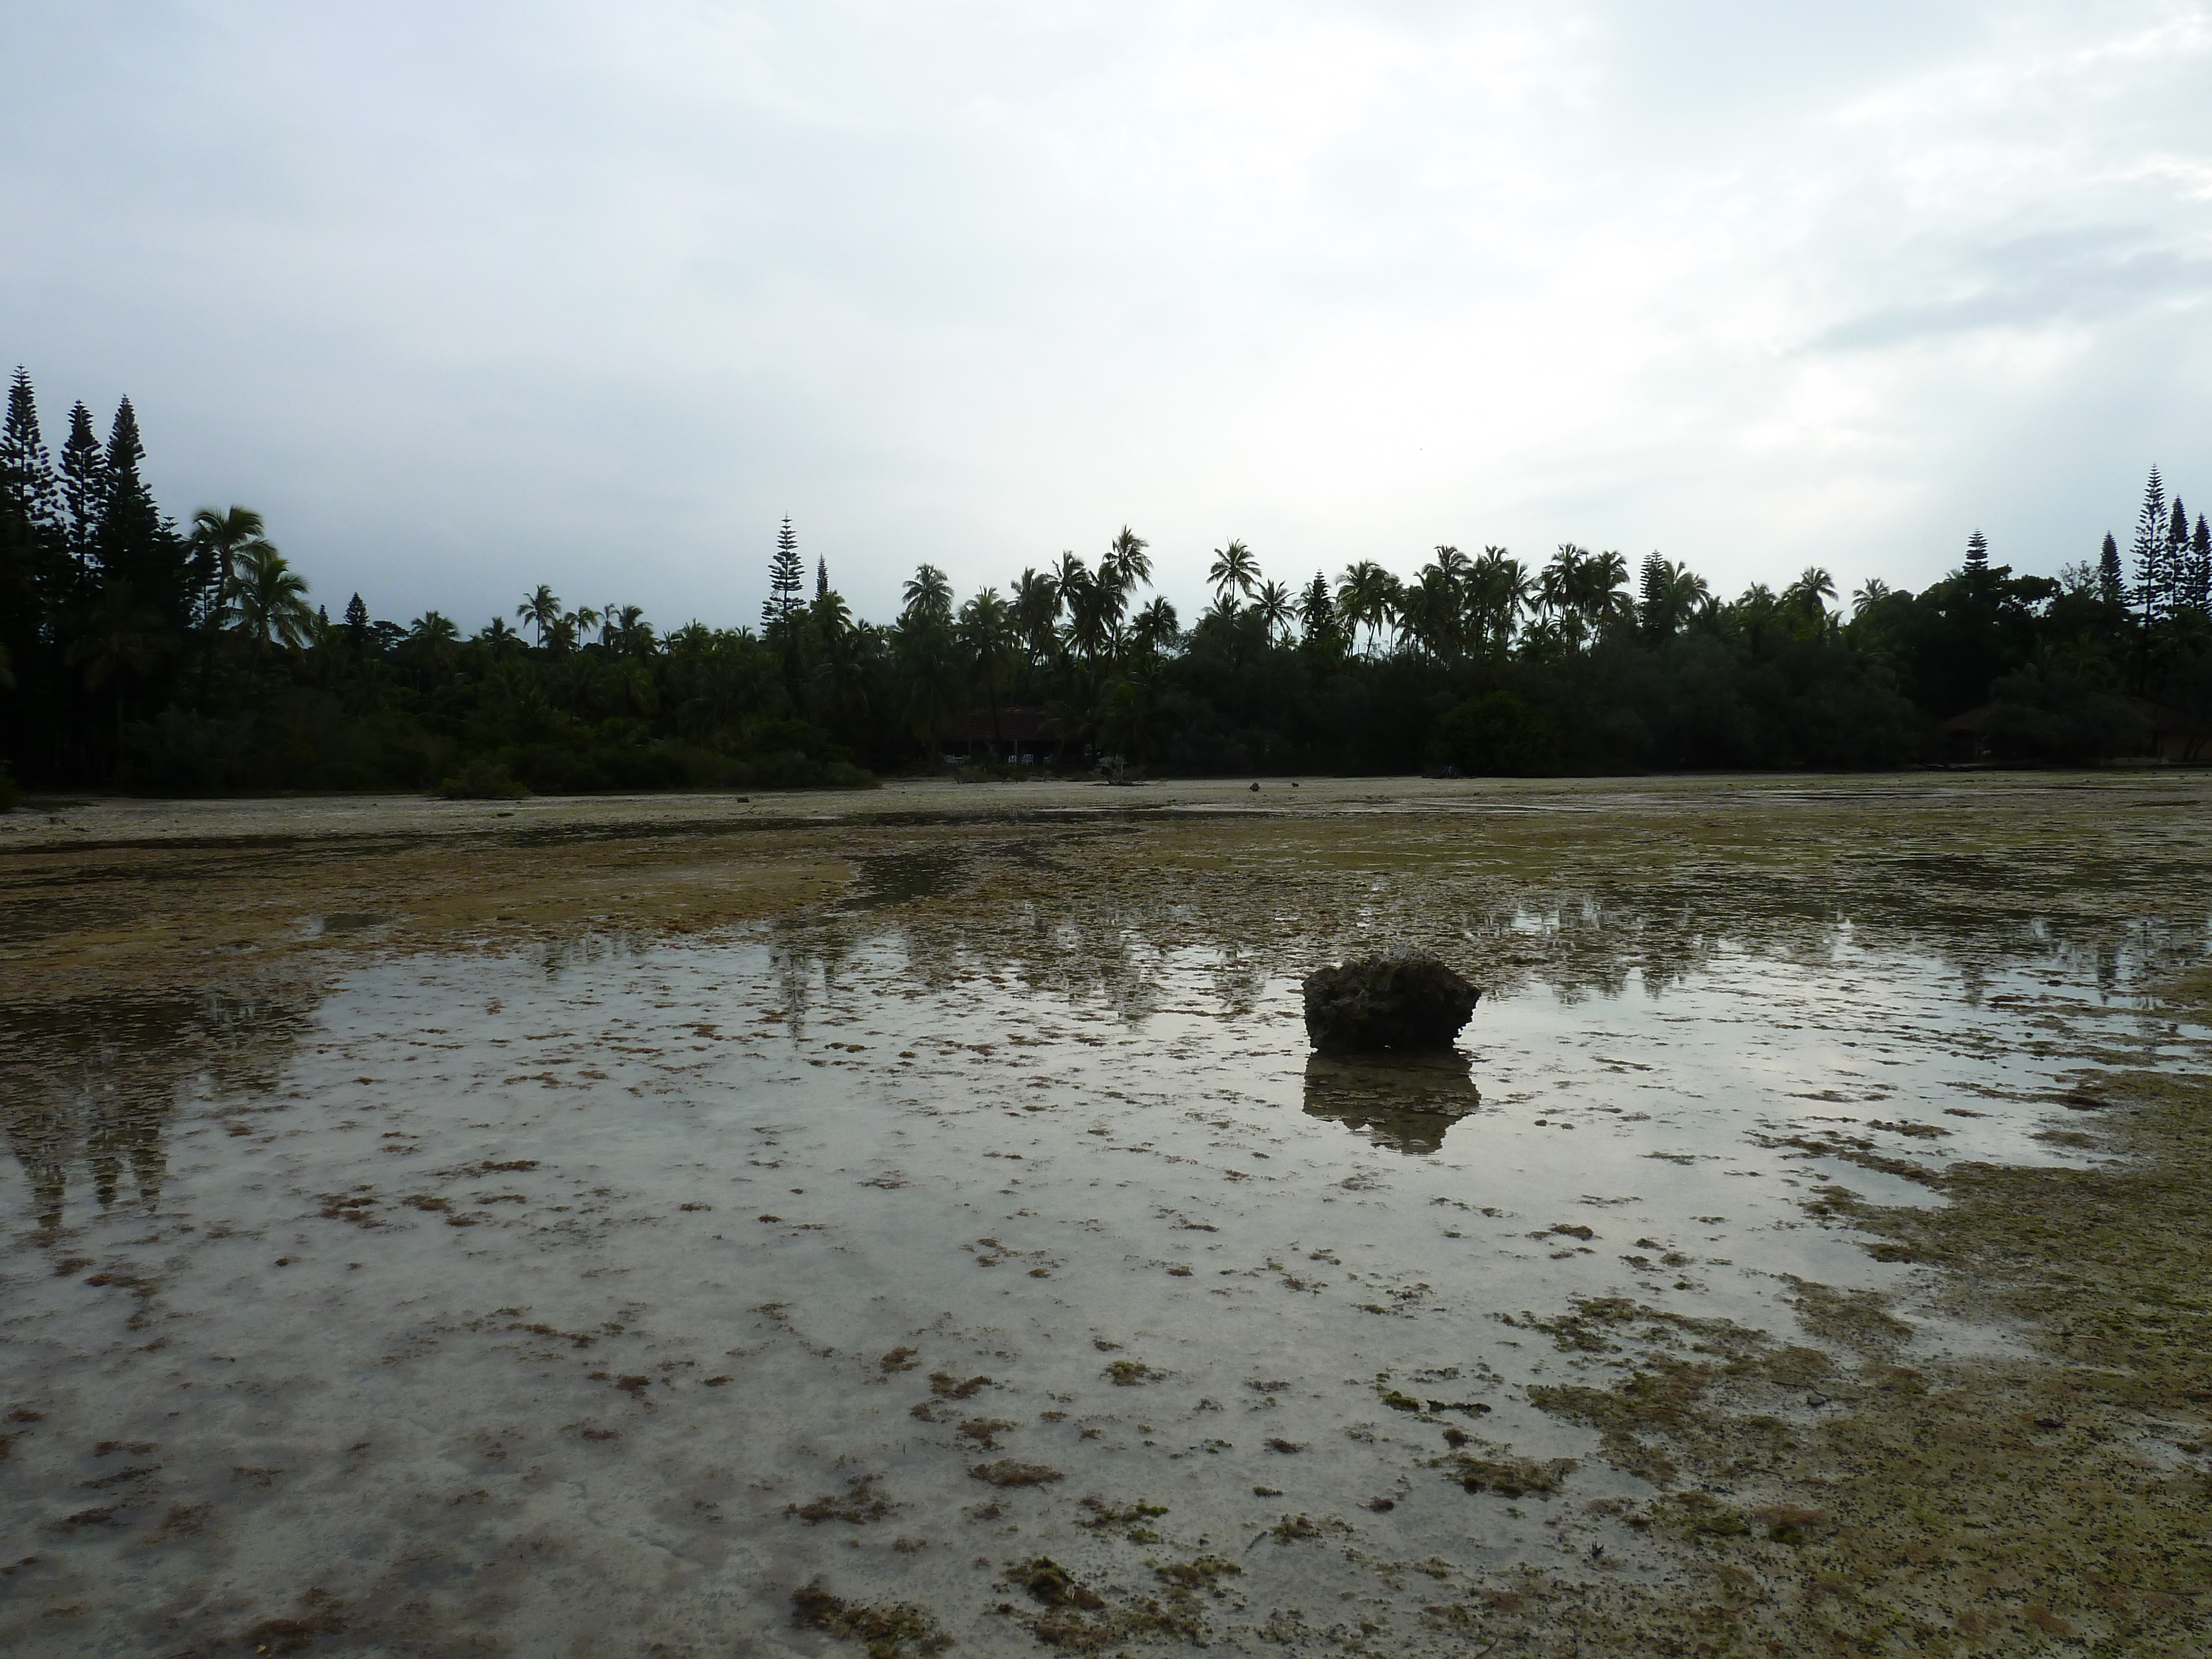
[
  {"x": 482, "y": 779},
  {"x": 1498, "y": 734}
]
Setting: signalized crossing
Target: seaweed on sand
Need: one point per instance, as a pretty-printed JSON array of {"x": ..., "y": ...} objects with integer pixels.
[
  {"x": 1133, "y": 1516},
  {"x": 1053, "y": 1585},
  {"x": 1968, "y": 1505},
  {"x": 859, "y": 1504},
  {"x": 1077, "y": 1620},
  {"x": 1008, "y": 1471},
  {"x": 888, "y": 1630},
  {"x": 1508, "y": 1477}
]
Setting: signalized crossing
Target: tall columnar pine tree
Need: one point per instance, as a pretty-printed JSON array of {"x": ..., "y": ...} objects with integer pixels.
[
  {"x": 1651, "y": 587},
  {"x": 356, "y": 624},
  {"x": 2150, "y": 549},
  {"x": 1978, "y": 556},
  {"x": 1318, "y": 613},
  {"x": 83, "y": 486},
  {"x": 26, "y": 471},
  {"x": 134, "y": 545},
  {"x": 786, "y": 577},
  {"x": 2196, "y": 583},
  {"x": 822, "y": 578},
  {"x": 29, "y": 535},
  {"x": 2111, "y": 582},
  {"x": 2176, "y": 563}
]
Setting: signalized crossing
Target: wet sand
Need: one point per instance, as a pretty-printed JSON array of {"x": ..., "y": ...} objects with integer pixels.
[{"x": 817, "y": 1224}]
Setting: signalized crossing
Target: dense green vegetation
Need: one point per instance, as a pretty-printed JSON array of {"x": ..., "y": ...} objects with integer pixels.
[{"x": 140, "y": 653}]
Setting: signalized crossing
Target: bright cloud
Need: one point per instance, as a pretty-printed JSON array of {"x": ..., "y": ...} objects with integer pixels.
[{"x": 468, "y": 298}]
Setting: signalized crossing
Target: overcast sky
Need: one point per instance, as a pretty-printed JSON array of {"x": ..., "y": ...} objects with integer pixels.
[{"x": 466, "y": 297}]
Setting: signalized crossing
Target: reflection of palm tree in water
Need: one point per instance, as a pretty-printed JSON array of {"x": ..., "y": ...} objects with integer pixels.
[
  {"x": 109, "y": 1129},
  {"x": 35, "y": 1135},
  {"x": 96, "y": 1086},
  {"x": 120, "y": 1132}
]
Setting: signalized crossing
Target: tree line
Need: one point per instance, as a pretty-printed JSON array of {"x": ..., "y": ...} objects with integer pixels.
[{"x": 141, "y": 653}]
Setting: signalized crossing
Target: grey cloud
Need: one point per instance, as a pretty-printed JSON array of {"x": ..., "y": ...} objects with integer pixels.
[
  {"x": 472, "y": 297},
  {"x": 2072, "y": 277}
]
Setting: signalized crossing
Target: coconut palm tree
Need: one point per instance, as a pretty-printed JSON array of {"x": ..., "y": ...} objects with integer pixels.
[
  {"x": 1807, "y": 596},
  {"x": 1864, "y": 600},
  {"x": 929, "y": 671},
  {"x": 831, "y": 617},
  {"x": 432, "y": 639},
  {"x": 986, "y": 633},
  {"x": 498, "y": 638},
  {"x": 1155, "y": 627},
  {"x": 1073, "y": 581},
  {"x": 1756, "y": 615},
  {"x": 928, "y": 594},
  {"x": 1125, "y": 567},
  {"x": 1604, "y": 590},
  {"x": 1432, "y": 609},
  {"x": 267, "y": 599},
  {"x": 627, "y": 633},
  {"x": 541, "y": 609},
  {"x": 1366, "y": 596},
  {"x": 1672, "y": 594},
  {"x": 1497, "y": 591},
  {"x": 692, "y": 640},
  {"x": 1278, "y": 609},
  {"x": 1440, "y": 593},
  {"x": 1579, "y": 589},
  {"x": 218, "y": 541},
  {"x": 1234, "y": 569},
  {"x": 1037, "y": 615},
  {"x": 1126, "y": 562},
  {"x": 1091, "y": 615}
]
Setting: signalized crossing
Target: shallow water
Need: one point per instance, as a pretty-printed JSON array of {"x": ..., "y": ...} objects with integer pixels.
[{"x": 542, "y": 1297}]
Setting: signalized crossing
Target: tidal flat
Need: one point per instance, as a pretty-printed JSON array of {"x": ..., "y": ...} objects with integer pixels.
[{"x": 913, "y": 1221}]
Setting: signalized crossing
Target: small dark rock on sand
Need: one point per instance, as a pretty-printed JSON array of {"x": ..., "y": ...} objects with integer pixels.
[{"x": 1410, "y": 1000}]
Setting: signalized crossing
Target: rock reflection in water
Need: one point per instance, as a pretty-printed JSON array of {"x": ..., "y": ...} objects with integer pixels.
[{"x": 1405, "y": 1103}]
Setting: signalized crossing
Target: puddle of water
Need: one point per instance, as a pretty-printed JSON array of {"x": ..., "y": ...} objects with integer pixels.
[
  {"x": 1403, "y": 1103},
  {"x": 606, "y": 1296},
  {"x": 893, "y": 879},
  {"x": 344, "y": 921}
]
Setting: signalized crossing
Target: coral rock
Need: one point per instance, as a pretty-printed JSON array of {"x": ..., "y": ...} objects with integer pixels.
[{"x": 1410, "y": 1000}]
